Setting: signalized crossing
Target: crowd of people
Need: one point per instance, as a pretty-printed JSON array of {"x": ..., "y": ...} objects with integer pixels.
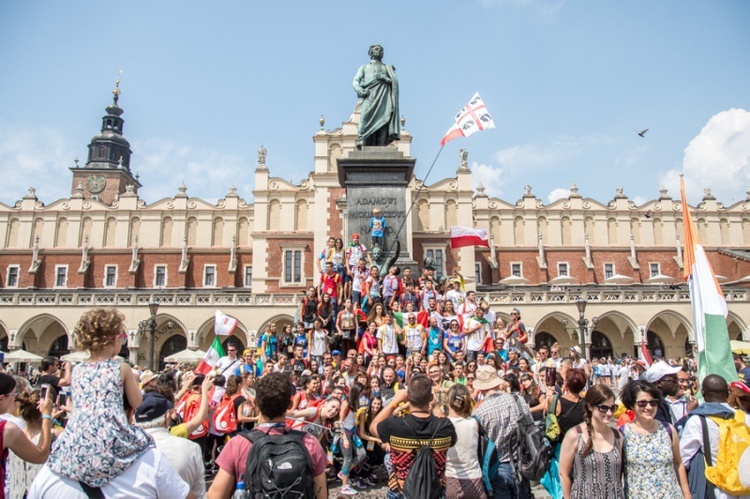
[{"x": 393, "y": 376}]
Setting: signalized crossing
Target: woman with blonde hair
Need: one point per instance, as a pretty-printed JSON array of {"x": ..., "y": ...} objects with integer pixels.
[
  {"x": 463, "y": 473},
  {"x": 591, "y": 455}
]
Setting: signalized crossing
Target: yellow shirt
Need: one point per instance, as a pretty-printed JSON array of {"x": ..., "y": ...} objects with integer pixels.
[{"x": 179, "y": 430}]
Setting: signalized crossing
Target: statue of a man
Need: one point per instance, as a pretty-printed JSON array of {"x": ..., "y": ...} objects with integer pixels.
[{"x": 377, "y": 86}]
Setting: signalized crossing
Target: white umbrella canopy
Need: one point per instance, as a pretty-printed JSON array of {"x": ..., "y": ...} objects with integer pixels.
[
  {"x": 22, "y": 355},
  {"x": 619, "y": 279},
  {"x": 563, "y": 279},
  {"x": 660, "y": 279},
  {"x": 186, "y": 356},
  {"x": 514, "y": 280}
]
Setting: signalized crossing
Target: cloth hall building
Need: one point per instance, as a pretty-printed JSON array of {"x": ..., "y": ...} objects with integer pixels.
[{"x": 105, "y": 246}]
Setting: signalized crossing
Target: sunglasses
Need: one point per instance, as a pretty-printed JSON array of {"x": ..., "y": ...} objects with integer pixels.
[
  {"x": 470, "y": 378},
  {"x": 604, "y": 409},
  {"x": 643, "y": 403}
]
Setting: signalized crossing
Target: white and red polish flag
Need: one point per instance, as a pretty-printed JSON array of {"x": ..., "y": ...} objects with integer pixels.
[
  {"x": 466, "y": 236},
  {"x": 472, "y": 118},
  {"x": 224, "y": 325}
]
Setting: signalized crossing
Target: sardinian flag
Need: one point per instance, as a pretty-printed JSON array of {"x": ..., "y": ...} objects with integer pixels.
[
  {"x": 466, "y": 236},
  {"x": 472, "y": 118},
  {"x": 224, "y": 325}
]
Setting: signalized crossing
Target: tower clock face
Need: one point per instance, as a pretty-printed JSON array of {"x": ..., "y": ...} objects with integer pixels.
[{"x": 96, "y": 184}]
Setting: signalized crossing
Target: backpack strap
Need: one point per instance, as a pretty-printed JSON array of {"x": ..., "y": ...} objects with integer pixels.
[
  {"x": 710, "y": 487},
  {"x": 91, "y": 492}
]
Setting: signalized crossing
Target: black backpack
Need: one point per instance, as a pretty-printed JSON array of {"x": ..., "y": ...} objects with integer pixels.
[
  {"x": 422, "y": 481},
  {"x": 534, "y": 451},
  {"x": 278, "y": 466}
]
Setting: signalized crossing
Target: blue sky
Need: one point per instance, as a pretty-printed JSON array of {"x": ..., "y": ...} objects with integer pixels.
[{"x": 569, "y": 83}]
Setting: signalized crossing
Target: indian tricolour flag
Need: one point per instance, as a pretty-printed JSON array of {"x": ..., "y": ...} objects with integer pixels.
[
  {"x": 214, "y": 353},
  {"x": 709, "y": 305}
]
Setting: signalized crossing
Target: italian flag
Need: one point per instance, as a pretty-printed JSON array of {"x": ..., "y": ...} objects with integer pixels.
[
  {"x": 709, "y": 305},
  {"x": 466, "y": 236},
  {"x": 214, "y": 353}
]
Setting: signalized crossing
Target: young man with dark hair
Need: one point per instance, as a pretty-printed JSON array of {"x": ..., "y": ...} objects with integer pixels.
[
  {"x": 50, "y": 369},
  {"x": 273, "y": 396},
  {"x": 425, "y": 424}
]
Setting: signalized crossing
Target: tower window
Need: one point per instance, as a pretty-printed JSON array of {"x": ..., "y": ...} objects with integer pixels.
[{"x": 102, "y": 152}]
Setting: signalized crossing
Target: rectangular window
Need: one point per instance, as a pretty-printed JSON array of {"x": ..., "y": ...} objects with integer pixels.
[
  {"x": 12, "y": 279},
  {"x": 609, "y": 270},
  {"x": 160, "y": 276},
  {"x": 248, "y": 276},
  {"x": 654, "y": 269},
  {"x": 209, "y": 276},
  {"x": 292, "y": 266},
  {"x": 110, "y": 276},
  {"x": 61, "y": 276},
  {"x": 562, "y": 269},
  {"x": 516, "y": 269},
  {"x": 436, "y": 255},
  {"x": 478, "y": 272}
]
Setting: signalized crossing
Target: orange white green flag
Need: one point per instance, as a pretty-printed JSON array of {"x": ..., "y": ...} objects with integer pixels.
[
  {"x": 709, "y": 305},
  {"x": 213, "y": 354}
]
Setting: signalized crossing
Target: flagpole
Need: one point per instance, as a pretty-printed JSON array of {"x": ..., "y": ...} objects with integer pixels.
[{"x": 416, "y": 195}]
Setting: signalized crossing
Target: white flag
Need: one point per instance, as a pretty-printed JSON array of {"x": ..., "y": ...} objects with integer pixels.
[{"x": 224, "y": 324}]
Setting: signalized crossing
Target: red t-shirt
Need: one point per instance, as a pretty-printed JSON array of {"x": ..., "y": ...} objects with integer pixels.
[
  {"x": 234, "y": 456},
  {"x": 330, "y": 284}
]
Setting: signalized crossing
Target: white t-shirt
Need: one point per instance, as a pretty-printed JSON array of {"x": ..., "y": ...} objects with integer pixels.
[
  {"x": 151, "y": 475},
  {"x": 475, "y": 341},
  {"x": 414, "y": 337},
  {"x": 387, "y": 334},
  {"x": 186, "y": 457},
  {"x": 461, "y": 461},
  {"x": 318, "y": 343}
]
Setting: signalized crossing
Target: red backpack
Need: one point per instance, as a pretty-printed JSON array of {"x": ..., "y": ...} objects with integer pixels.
[
  {"x": 187, "y": 408},
  {"x": 225, "y": 417}
]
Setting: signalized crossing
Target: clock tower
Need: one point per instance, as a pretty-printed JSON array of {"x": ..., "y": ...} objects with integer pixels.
[{"x": 107, "y": 174}]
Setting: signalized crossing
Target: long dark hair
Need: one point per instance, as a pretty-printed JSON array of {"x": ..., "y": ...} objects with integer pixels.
[
  {"x": 354, "y": 392},
  {"x": 595, "y": 396}
]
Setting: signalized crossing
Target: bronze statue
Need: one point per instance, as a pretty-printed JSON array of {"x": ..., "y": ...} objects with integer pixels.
[{"x": 376, "y": 84}]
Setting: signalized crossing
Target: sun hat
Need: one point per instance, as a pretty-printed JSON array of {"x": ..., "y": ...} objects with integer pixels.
[
  {"x": 658, "y": 370},
  {"x": 577, "y": 350},
  {"x": 147, "y": 376},
  {"x": 486, "y": 378}
]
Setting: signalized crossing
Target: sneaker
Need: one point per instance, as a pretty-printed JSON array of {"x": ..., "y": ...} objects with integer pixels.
[
  {"x": 348, "y": 491},
  {"x": 357, "y": 483},
  {"x": 368, "y": 481}
]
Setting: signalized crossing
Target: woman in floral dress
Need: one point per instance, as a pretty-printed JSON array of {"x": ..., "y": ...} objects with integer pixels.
[{"x": 653, "y": 466}]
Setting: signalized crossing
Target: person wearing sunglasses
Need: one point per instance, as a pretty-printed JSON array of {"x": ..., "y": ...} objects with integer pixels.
[
  {"x": 653, "y": 465},
  {"x": 591, "y": 454}
]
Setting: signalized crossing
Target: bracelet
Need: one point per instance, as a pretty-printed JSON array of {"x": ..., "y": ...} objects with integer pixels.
[{"x": 47, "y": 416}]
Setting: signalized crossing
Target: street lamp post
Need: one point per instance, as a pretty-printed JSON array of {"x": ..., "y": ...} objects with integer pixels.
[
  {"x": 583, "y": 323},
  {"x": 153, "y": 308}
]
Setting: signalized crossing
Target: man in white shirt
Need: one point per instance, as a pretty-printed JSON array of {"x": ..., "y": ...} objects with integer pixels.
[
  {"x": 183, "y": 454},
  {"x": 475, "y": 329},
  {"x": 228, "y": 364},
  {"x": 715, "y": 392},
  {"x": 151, "y": 475},
  {"x": 415, "y": 336}
]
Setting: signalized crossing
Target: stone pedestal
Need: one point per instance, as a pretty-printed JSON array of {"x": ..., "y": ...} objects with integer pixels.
[{"x": 377, "y": 177}]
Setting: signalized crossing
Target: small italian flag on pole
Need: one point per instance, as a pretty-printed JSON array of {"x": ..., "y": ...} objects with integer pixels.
[
  {"x": 709, "y": 305},
  {"x": 214, "y": 353}
]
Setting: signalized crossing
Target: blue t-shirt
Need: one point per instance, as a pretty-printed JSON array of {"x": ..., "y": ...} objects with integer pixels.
[
  {"x": 270, "y": 344},
  {"x": 435, "y": 341},
  {"x": 454, "y": 341},
  {"x": 301, "y": 339}
]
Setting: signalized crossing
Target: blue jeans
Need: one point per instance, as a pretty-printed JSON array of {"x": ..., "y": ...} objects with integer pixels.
[{"x": 505, "y": 486}]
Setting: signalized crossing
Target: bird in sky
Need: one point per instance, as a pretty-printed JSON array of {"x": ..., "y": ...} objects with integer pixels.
[{"x": 642, "y": 133}]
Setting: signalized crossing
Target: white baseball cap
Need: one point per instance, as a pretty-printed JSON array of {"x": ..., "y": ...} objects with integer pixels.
[{"x": 658, "y": 370}]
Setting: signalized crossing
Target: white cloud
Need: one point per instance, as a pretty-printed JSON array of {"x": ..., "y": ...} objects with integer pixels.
[
  {"x": 639, "y": 200},
  {"x": 164, "y": 165},
  {"x": 24, "y": 164},
  {"x": 549, "y": 153},
  {"x": 491, "y": 178},
  {"x": 718, "y": 158},
  {"x": 559, "y": 193}
]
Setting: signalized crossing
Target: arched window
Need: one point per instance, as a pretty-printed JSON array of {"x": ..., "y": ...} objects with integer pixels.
[
  {"x": 588, "y": 225},
  {"x": 135, "y": 230},
  {"x": 59, "y": 347},
  {"x": 37, "y": 230},
  {"x": 274, "y": 215},
  {"x": 612, "y": 232},
  {"x": 518, "y": 231},
  {"x": 635, "y": 230},
  {"x": 655, "y": 345},
  {"x": 724, "y": 231},
  {"x": 566, "y": 229},
  {"x": 544, "y": 339},
  {"x": 300, "y": 217},
  {"x": 243, "y": 226},
  {"x": 496, "y": 229},
  {"x": 600, "y": 346},
  {"x": 423, "y": 216},
  {"x": 102, "y": 152},
  {"x": 658, "y": 231},
  {"x": 86, "y": 225},
  {"x": 61, "y": 233},
  {"x": 217, "y": 238},
  {"x": 110, "y": 231},
  {"x": 541, "y": 224},
  {"x": 166, "y": 232},
  {"x": 175, "y": 343},
  {"x": 11, "y": 240},
  {"x": 451, "y": 214},
  {"x": 192, "y": 231}
]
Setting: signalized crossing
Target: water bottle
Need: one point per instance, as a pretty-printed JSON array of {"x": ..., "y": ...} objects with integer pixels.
[{"x": 240, "y": 492}]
